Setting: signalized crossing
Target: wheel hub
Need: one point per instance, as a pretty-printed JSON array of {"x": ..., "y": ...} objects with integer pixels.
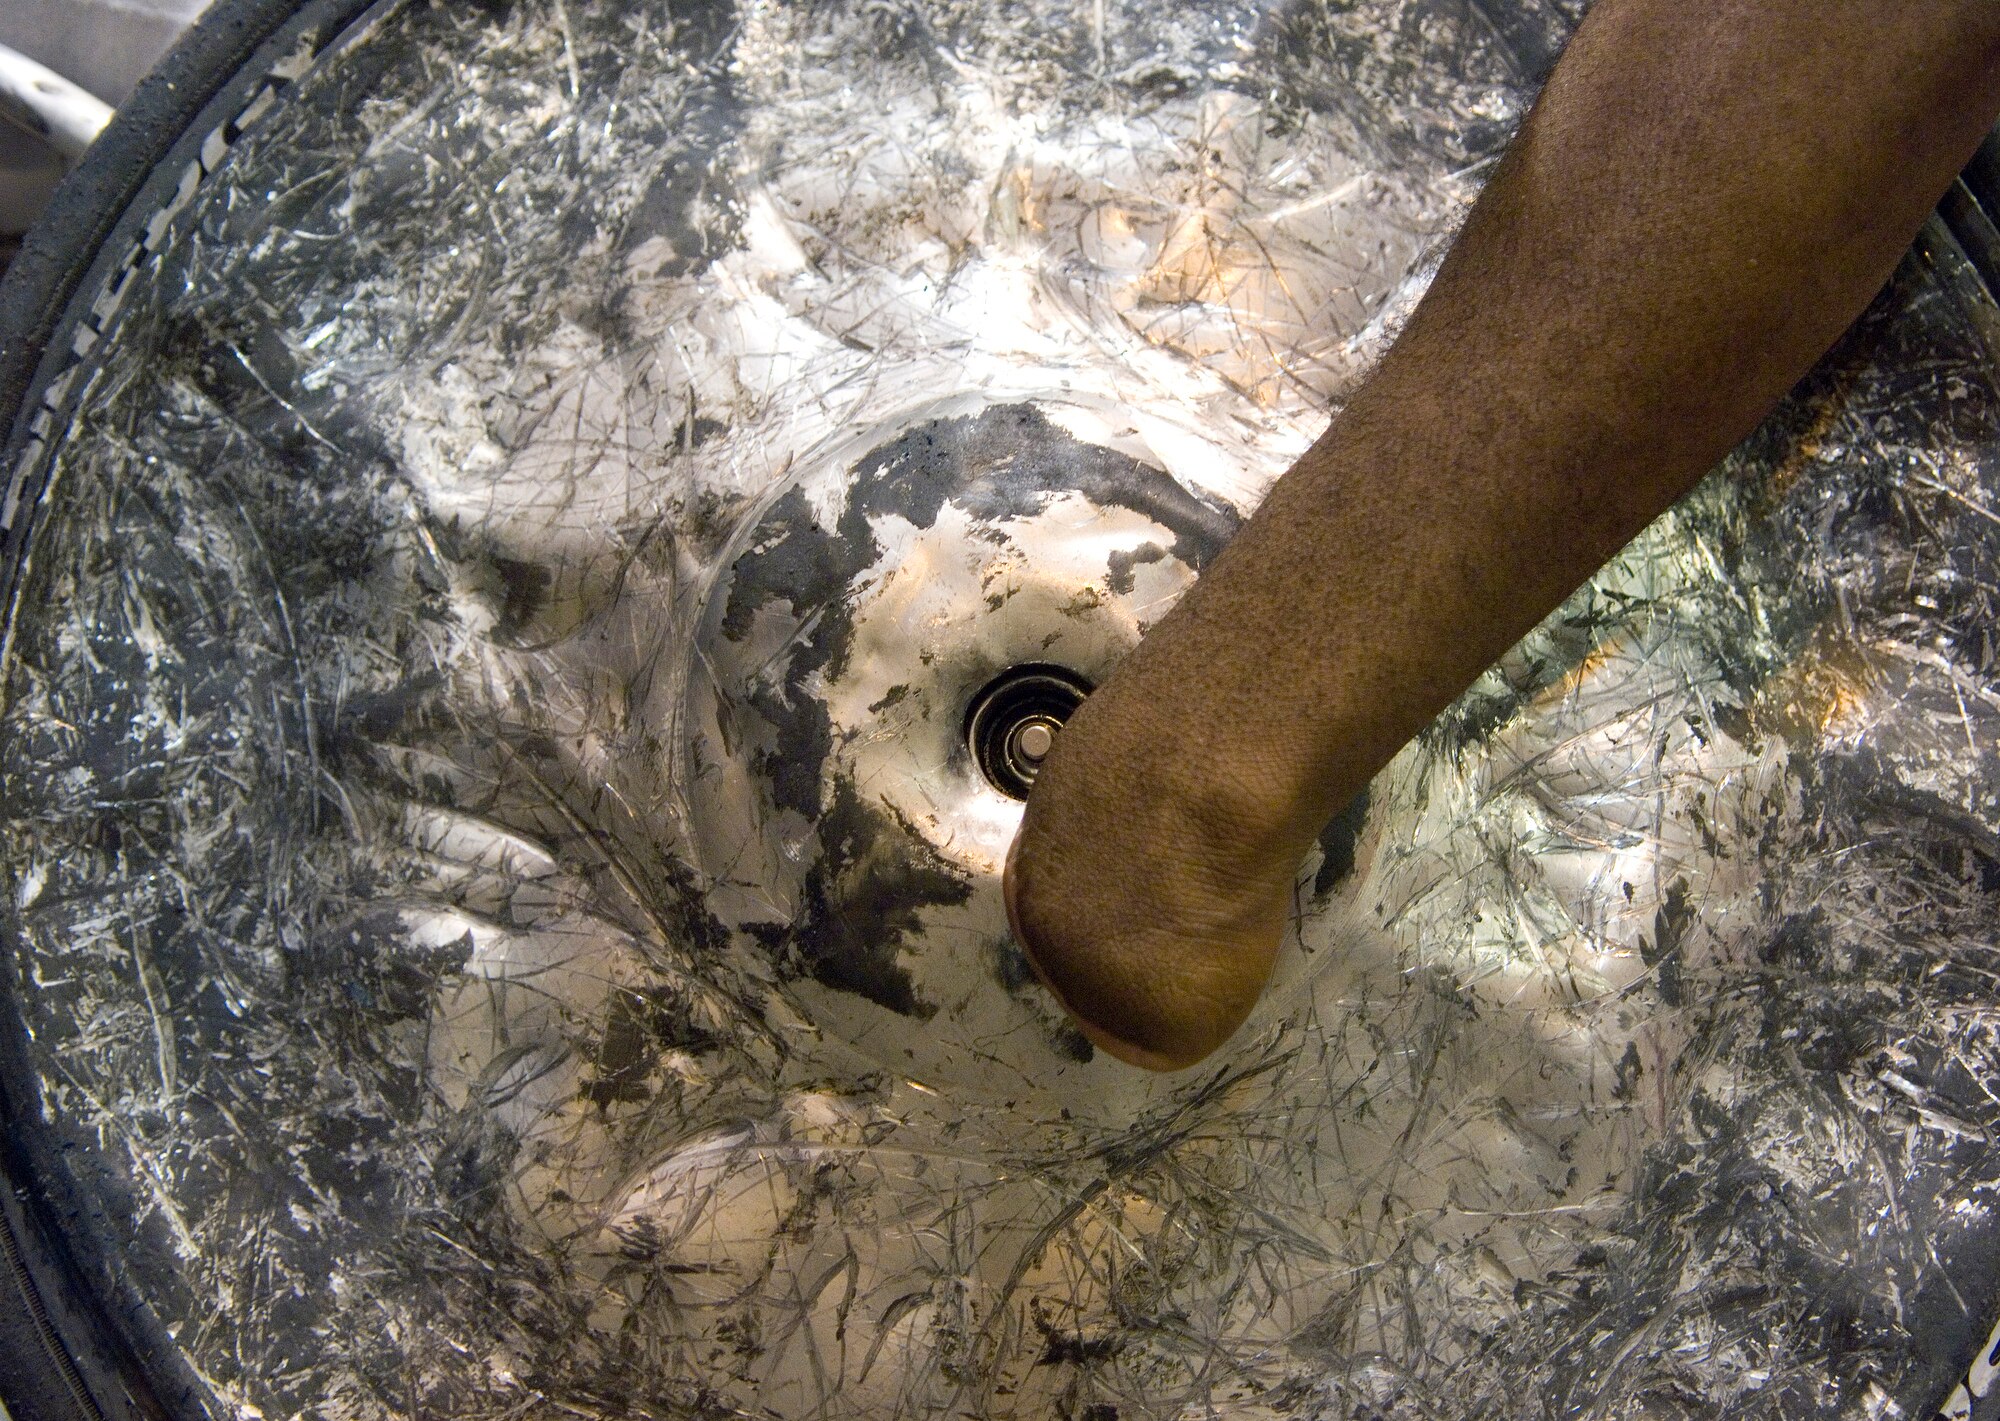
[{"x": 882, "y": 668}]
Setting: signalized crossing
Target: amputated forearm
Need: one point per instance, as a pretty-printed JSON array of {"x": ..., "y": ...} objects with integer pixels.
[{"x": 1702, "y": 200}]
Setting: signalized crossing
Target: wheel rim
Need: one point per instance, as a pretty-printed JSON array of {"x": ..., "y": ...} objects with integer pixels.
[{"x": 513, "y": 387}]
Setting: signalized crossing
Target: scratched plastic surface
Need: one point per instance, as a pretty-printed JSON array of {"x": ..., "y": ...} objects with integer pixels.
[{"x": 510, "y": 931}]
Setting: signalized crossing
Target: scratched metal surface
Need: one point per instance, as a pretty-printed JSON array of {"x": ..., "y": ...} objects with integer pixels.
[{"x": 509, "y": 930}]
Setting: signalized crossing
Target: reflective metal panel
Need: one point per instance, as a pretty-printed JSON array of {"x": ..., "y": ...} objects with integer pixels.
[{"x": 508, "y": 905}]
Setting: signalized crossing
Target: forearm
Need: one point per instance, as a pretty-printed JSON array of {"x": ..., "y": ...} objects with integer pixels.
[{"x": 1704, "y": 197}]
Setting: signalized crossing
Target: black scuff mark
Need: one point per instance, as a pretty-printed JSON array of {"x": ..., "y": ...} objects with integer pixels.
[
  {"x": 640, "y": 1028},
  {"x": 363, "y": 720},
  {"x": 622, "y": 1061},
  {"x": 1119, "y": 567},
  {"x": 1008, "y": 461},
  {"x": 693, "y": 202},
  {"x": 1337, "y": 842},
  {"x": 1070, "y": 1348},
  {"x": 695, "y": 430},
  {"x": 893, "y": 697},
  {"x": 1627, "y": 1072},
  {"x": 1662, "y": 952},
  {"x": 1009, "y": 967},
  {"x": 524, "y": 591},
  {"x": 865, "y": 899},
  {"x": 692, "y": 207},
  {"x": 1069, "y": 1040}
]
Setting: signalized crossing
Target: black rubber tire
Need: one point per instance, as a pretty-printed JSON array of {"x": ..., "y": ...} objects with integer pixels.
[{"x": 42, "y": 1372}]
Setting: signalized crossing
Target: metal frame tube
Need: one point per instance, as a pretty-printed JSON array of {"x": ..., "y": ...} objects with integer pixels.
[{"x": 40, "y": 100}]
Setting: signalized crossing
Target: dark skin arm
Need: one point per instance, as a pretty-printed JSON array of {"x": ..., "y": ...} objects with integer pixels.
[{"x": 1703, "y": 199}]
